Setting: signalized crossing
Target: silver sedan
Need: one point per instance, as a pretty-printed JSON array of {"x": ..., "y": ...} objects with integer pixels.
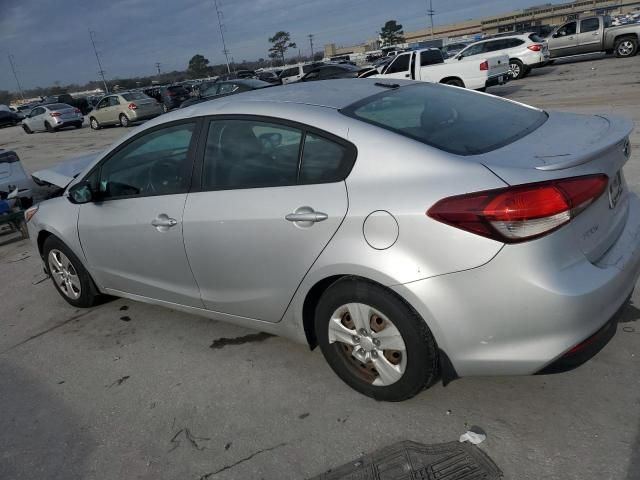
[
  {"x": 52, "y": 117},
  {"x": 412, "y": 231}
]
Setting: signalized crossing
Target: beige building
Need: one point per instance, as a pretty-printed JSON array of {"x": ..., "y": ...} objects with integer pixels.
[{"x": 528, "y": 19}]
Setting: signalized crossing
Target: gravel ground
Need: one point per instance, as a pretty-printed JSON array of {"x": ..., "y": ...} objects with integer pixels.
[{"x": 127, "y": 390}]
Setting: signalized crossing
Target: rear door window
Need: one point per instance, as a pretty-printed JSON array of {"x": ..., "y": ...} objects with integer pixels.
[
  {"x": 589, "y": 25},
  {"x": 430, "y": 57},
  {"x": 324, "y": 160}
]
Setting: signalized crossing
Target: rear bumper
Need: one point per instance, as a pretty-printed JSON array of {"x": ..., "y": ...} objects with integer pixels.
[
  {"x": 61, "y": 123},
  {"x": 497, "y": 80},
  {"x": 138, "y": 117},
  {"x": 531, "y": 304}
]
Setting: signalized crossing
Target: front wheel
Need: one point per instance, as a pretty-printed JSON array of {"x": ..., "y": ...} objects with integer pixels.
[
  {"x": 49, "y": 128},
  {"x": 626, "y": 47},
  {"x": 374, "y": 341},
  {"x": 516, "y": 69},
  {"x": 27, "y": 129},
  {"x": 71, "y": 279}
]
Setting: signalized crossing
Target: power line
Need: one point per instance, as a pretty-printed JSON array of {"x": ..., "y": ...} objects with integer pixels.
[
  {"x": 13, "y": 69},
  {"x": 431, "y": 13},
  {"x": 311, "y": 44},
  {"x": 95, "y": 50},
  {"x": 224, "y": 44}
]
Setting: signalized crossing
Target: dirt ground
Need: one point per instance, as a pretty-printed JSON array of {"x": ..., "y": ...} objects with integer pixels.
[{"x": 132, "y": 391}]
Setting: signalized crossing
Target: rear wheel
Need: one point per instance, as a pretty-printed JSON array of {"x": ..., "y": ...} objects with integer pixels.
[
  {"x": 124, "y": 120},
  {"x": 94, "y": 124},
  {"x": 68, "y": 274},
  {"x": 374, "y": 341},
  {"x": 454, "y": 82},
  {"x": 27, "y": 129},
  {"x": 626, "y": 47},
  {"x": 516, "y": 69},
  {"x": 49, "y": 128}
]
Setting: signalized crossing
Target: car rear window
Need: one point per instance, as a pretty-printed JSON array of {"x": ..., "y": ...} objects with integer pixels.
[
  {"x": 134, "y": 96},
  {"x": 58, "y": 106},
  {"x": 451, "y": 119},
  {"x": 534, "y": 37}
]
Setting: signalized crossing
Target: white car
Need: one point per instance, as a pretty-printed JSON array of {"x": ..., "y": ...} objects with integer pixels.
[
  {"x": 296, "y": 72},
  {"x": 526, "y": 51}
]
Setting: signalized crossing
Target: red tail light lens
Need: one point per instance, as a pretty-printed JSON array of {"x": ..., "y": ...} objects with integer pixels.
[
  {"x": 520, "y": 213},
  {"x": 536, "y": 47},
  {"x": 484, "y": 66},
  {"x": 132, "y": 106},
  {"x": 55, "y": 114},
  {"x": 77, "y": 110}
]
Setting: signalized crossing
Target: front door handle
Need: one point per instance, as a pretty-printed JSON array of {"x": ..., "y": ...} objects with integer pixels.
[
  {"x": 306, "y": 215},
  {"x": 163, "y": 222}
]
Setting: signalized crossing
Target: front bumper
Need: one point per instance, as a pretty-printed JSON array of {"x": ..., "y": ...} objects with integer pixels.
[{"x": 530, "y": 305}]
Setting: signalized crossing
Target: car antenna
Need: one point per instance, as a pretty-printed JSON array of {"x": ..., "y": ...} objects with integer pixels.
[{"x": 387, "y": 85}]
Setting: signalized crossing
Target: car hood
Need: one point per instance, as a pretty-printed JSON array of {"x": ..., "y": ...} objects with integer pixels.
[{"x": 64, "y": 173}]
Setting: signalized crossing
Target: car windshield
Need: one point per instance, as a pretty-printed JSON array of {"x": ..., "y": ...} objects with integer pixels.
[
  {"x": 58, "y": 106},
  {"x": 134, "y": 96},
  {"x": 451, "y": 119}
]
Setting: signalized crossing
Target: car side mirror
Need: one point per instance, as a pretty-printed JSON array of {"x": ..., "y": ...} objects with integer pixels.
[{"x": 81, "y": 193}]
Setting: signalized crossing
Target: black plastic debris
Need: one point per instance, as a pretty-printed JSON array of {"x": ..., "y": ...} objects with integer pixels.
[{"x": 414, "y": 461}]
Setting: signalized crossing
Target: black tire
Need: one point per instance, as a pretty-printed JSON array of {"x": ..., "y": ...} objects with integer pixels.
[
  {"x": 421, "y": 369},
  {"x": 626, "y": 47},
  {"x": 49, "y": 128},
  {"x": 94, "y": 124},
  {"x": 88, "y": 295},
  {"x": 516, "y": 69},
  {"x": 165, "y": 109},
  {"x": 454, "y": 82},
  {"x": 27, "y": 129},
  {"x": 124, "y": 120}
]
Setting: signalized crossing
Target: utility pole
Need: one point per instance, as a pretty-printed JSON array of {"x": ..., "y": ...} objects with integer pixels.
[
  {"x": 311, "y": 44},
  {"x": 431, "y": 13},
  {"x": 95, "y": 50},
  {"x": 224, "y": 44},
  {"x": 158, "y": 67},
  {"x": 13, "y": 69}
]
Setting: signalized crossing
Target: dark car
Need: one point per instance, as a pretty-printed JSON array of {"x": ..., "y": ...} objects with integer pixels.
[
  {"x": 330, "y": 72},
  {"x": 218, "y": 89},
  {"x": 8, "y": 118},
  {"x": 270, "y": 77},
  {"x": 80, "y": 103},
  {"x": 173, "y": 96}
]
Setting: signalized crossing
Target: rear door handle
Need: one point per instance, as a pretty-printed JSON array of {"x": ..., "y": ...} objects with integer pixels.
[
  {"x": 163, "y": 222},
  {"x": 306, "y": 214}
]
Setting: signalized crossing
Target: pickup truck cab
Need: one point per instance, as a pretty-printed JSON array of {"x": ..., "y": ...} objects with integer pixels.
[
  {"x": 593, "y": 35},
  {"x": 428, "y": 65}
]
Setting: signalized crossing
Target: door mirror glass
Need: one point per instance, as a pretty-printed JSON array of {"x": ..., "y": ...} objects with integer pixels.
[{"x": 81, "y": 193}]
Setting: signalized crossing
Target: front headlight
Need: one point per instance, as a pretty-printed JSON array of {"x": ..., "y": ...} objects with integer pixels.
[{"x": 29, "y": 213}]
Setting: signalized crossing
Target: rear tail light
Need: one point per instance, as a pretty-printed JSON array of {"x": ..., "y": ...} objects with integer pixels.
[
  {"x": 484, "y": 66},
  {"x": 536, "y": 47},
  {"x": 523, "y": 212},
  {"x": 55, "y": 114},
  {"x": 132, "y": 106},
  {"x": 77, "y": 110}
]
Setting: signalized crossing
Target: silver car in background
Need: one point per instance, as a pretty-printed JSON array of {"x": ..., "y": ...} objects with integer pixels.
[
  {"x": 413, "y": 231},
  {"x": 52, "y": 117}
]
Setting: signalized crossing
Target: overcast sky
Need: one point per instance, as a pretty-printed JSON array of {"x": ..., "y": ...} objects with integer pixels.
[{"x": 50, "y": 42}]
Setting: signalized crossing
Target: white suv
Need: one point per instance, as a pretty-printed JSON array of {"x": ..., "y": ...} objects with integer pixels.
[
  {"x": 526, "y": 51},
  {"x": 295, "y": 72}
]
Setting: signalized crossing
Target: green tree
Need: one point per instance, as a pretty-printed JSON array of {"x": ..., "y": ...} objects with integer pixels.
[
  {"x": 280, "y": 43},
  {"x": 391, "y": 33},
  {"x": 198, "y": 66}
]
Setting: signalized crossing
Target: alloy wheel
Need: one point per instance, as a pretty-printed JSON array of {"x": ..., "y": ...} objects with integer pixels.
[
  {"x": 64, "y": 274},
  {"x": 514, "y": 70},
  {"x": 94, "y": 124},
  {"x": 369, "y": 342},
  {"x": 625, "y": 48}
]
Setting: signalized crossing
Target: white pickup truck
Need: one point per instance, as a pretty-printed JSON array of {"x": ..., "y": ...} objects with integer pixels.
[{"x": 428, "y": 65}]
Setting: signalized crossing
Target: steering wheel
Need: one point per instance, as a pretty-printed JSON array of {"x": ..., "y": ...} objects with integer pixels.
[{"x": 164, "y": 176}]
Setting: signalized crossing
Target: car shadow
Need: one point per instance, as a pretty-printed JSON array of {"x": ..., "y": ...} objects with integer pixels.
[
  {"x": 633, "y": 473},
  {"x": 630, "y": 314},
  {"x": 40, "y": 437}
]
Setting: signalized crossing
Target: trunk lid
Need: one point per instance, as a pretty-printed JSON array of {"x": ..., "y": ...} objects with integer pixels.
[
  {"x": 571, "y": 145},
  {"x": 498, "y": 65}
]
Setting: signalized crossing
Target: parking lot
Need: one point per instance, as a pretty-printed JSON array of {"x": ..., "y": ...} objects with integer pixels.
[{"x": 127, "y": 390}]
